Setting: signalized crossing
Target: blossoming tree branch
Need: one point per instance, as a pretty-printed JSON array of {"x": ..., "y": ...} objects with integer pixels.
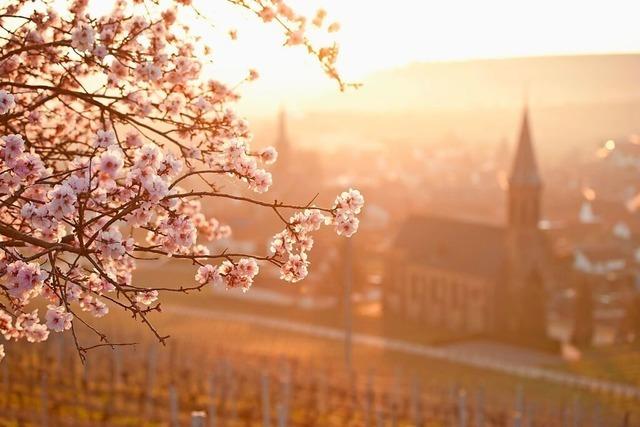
[{"x": 103, "y": 122}]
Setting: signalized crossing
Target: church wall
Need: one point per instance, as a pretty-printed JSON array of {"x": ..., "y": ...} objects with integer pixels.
[{"x": 437, "y": 298}]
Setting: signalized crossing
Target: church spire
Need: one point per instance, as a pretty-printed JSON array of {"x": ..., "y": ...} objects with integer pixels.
[
  {"x": 525, "y": 168},
  {"x": 525, "y": 184},
  {"x": 282, "y": 139}
]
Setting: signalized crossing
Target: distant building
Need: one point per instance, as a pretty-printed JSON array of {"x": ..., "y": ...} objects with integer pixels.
[
  {"x": 472, "y": 278},
  {"x": 294, "y": 168}
]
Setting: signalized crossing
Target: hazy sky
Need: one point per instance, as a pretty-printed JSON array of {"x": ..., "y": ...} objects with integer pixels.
[{"x": 379, "y": 34}]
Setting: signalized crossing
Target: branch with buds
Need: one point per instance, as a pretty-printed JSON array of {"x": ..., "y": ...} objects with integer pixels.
[{"x": 103, "y": 123}]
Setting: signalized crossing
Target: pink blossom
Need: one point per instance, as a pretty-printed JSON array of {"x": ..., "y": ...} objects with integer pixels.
[
  {"x": 346, "y": 225},
  {"x": 24, "y": 281},
  {"x": 147, "y": 297},
  {"x": 295, "y": 37},
  {"x": 111, "y": 162},
  {"x": 7, "y": 101},
  {"x": 74, "y": 292},
  {"x": 29, "y": 167},
  {"x": 94, "y": 306},
  {"x": 77, "y": 196},
  {"x": 83, "y": 37},
  {"x": 350, "y": 200},
  {"x": 208, "y": 274},
  {"x": 261, "y": 181},
  {"x": 148, "y": 72},
  {"x": 100, "y": 51},
  {"x": 133, "y": 139},
  {"x": 109, "y": 243},
  {"x": 239, "y": 275},
  {"x": 13, "y": 148},
  {"x": 62, "y": 201},
  {"x": 149, "y": 155},
  {"x": 295, "y": 269},
  {"x": 269, "y": 155},
  {"x": 267, "y": 14},
  {"x": 58, "y": 319},
  {"x": 104, "y": 138},
  {"x": 28, "y": 326}
]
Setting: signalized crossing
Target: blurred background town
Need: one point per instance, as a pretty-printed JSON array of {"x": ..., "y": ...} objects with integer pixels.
[{"x": 495, "y": 277}]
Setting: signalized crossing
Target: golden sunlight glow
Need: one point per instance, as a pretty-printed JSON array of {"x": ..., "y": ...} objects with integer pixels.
[{"x": 378, "y": 35}]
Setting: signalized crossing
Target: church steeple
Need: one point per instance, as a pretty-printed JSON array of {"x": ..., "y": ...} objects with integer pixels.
[
  {"x": 282, "y": 143},
  {"x": 525, "y": 168},
  {"x": 525, "y": 184}
]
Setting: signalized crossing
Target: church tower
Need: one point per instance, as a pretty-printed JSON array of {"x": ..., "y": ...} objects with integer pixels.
[
  {"x": 525, "y": 185},
  {"x": 527, "y": 252},
  {"x": 282, "y": 144}
]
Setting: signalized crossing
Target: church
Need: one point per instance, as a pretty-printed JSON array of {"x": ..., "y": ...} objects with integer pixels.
[{"x": 475, "y": 279}]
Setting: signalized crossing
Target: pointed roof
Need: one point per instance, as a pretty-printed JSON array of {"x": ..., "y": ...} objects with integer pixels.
[
  {"x": 282, "y": 140},
  {"x": 525, "y": 168}
]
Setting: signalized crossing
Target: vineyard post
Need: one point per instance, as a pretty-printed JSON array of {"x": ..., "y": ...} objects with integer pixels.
[
  {"x": 416, "y": 410},
  {"x": 212, "y": 400},
  {"x": 283, "y": 415},
  {"x": 519, "y": 404},
  {"x": 266, "y": 405},
  {"x": 116, "y": 377},
  {"x": 173, "y": 406},
  {"x": 232, "y": 386},
  {"x": 44, "y": 401},
  {"x": 597, "y": 416},
  {"x": 379, "y": 415},
  {"x": 117, "y": 368},
  {"x": 394, "y": 414},
  {"x": 395, "y": 396},
  {"x": 452, "y": 404},
  {"x": 322, "y": 391},
  {"x": 75, "y": 378},
  {"x": 479, "y": 412},
  {"x": 286, "y": 390},
  {"x": 462, "y": 408},
  {"x": 529, "y": 415},
  {"x": 234, "y": 400},
  {"x": 368, "y": 399},
  {"x": 577, "y": 412},
  {"x": 565, "y": 416},
  {"x": 197, "y": 419},
  {"x": 5, "y": 385},
  {"x": 152, "y": 358}
]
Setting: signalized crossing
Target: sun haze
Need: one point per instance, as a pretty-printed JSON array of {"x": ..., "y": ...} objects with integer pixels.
[{"x": 377, "y": 35}]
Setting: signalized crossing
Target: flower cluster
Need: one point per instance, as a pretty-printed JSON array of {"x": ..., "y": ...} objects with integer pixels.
[
  {"x": 230, "y": 274},
  {"x": 108, "y": 135},
  {"x": 25, "y": 325},
  {"x": 347, "y": 206},
  {"x": 293, "y": 243},
  {"x": 58, "y": 319}
]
